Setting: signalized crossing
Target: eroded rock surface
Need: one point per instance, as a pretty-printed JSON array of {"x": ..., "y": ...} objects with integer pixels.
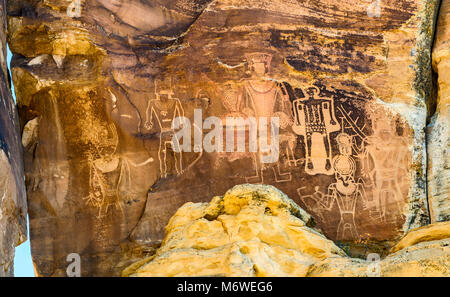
[
  {"x": 250, "y": 231},
  {"x": 100, "y": 84},
  {"x": 13, "y": 209},
  {"x": 429, "y": 259},
  {"x": 438, "y": 131},
  {"x": 258, "y": 231},
  {"x": 426, "y": 254},
  {"x": 431, "y": 232}
]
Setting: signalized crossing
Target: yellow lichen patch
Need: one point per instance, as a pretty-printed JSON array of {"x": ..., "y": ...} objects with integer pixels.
[{"x": 423, "y": 234}]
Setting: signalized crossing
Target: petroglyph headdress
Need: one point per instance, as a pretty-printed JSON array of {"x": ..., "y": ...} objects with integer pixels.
[
  {"x": 259, "y": 57},
  {"x": 164, "y": 86}
]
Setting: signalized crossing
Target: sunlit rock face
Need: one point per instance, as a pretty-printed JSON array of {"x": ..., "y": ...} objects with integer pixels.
[
  {"x": 258, "y": 231},
  {"x": 13, "y": 208},
  {"x": 250, "y": 231},
  {"x": 423, "y": 252},
  {"x": 100, "y": 84},
  {"x": 438, "y": 132}
]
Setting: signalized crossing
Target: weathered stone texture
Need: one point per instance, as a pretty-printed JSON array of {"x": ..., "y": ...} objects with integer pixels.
[
  {"x": 13, "y": 208},
  {"x": 99, "y": 87},
  {"x": 250, "y": 231},
  {"x": 427, "y": 259},
  {"x": 431, "y": 232},
  {"x": 258, "y": 231},
  {"x": 438, "y": 130}
]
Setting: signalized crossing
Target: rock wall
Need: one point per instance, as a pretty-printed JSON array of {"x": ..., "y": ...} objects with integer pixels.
[
  {"x": 438, "y": 131},
  {"x": 100, "y": 83},
  {"x": 258, "y": 231},
  {"x": 13, "y": 208}
]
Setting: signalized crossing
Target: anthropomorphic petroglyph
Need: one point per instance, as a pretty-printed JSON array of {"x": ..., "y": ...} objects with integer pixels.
[
  {"x": 314, "y": 202},
  {"x": 314, "y": 120},
  {"x": 105, "y": 174},
  {"x": 160, "y": 114},
  {"x": 345, "y": 191},
  {"x": 262, "y": 97},
  {"x": 110, "y": 181},
  {"x": 385, "y": 165}
]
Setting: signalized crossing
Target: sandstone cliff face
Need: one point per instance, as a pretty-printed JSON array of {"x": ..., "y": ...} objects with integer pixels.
[
  {"x": 13, "y": 209},
  {"x": 438, "y": 131},
  {"x": 258, "y": 231},
  {"x": 99, "y": 85}
]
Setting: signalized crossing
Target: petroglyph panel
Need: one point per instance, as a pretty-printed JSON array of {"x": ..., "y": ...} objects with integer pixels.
[{"x": 152, "y": 104}]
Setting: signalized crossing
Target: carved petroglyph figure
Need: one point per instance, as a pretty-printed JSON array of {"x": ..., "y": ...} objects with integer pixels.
[
  {"x": 200, "y": 102},
  {"x": 289, "y": 139},
  {"x": 345, "y": 192},
  {"x": 314, "y": 120},
  {"x": 110, "y": 181},
  {"x": 261, "y": 97},
  {"x": 104, "y": 175},
  {"x": 314, "y": 202},
  {"x": 161, "y": 112},
  {"x": 385, "y": 165}
]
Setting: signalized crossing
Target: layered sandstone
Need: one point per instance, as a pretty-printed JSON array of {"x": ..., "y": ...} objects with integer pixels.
[
  {"x": 438, "y": 129},
  {"x": 428, "y": 259},
  {"x": 258, "y": 231},
  {"x": 99, "y": 85},
  {"x": 423, "y": 252},
  {"x": 433, "y": 232},
  {"x": 250, "y": 231},
  {"x": 13, "y": 209}
]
